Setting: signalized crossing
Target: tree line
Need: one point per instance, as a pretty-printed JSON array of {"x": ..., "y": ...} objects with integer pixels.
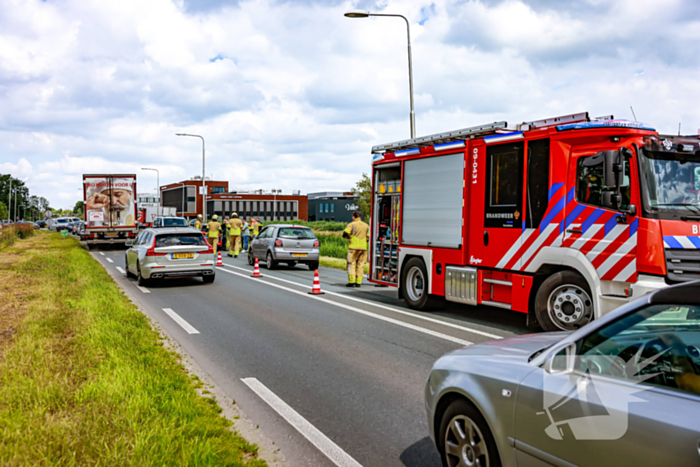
[{"x": 23, "y": 204}]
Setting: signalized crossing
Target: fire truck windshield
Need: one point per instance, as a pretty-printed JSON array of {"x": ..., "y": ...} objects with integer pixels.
[{"x": 671, "y": 182}]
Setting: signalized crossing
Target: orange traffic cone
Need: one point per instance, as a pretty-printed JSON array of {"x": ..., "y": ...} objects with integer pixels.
[
  {"x": 218, "y": 260},
  {"x": 316, "y": 289},
  {"x": 256, "y": 271}
]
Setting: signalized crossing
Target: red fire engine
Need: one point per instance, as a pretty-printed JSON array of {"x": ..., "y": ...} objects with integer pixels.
[{"x": 563, "y": 219}]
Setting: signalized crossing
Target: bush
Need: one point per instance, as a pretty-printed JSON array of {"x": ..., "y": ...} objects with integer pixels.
[
  {"x": 327, "y": 226},
  {"x": 24, "y": 230},
  {"x": 7, "y": 237}
]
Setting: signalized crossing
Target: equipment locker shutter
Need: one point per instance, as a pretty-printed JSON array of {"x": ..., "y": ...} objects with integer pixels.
[{"x": 432, "y": 201}]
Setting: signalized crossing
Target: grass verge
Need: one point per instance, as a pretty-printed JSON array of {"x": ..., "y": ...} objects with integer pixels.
[
  {"x": 336, "y": 263},
  {"x": 84, "y": 380}
]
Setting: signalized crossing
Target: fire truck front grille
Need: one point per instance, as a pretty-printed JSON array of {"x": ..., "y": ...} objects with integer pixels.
[{"x": 682, "y": 265}]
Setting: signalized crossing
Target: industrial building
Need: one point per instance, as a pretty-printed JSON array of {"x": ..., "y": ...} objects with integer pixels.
[{"x": 332, "y": 206}]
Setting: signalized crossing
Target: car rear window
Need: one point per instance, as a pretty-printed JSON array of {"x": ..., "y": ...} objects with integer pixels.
[
  {"x": 296, "y": 232},
  {"x": 174, "y": 223},
  {"x": 62, "y": 221},
  {"x": 192, "y": 239}
]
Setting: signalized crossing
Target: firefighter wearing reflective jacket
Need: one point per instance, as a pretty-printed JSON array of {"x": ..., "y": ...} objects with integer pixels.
[
  {"x": 234, "y": 234},
  {"x": 198, "y": 222},
  {"x": 214, "y": 228},
  {"x": 254, "y": 227},
  {"x": 358, "y": 233}
]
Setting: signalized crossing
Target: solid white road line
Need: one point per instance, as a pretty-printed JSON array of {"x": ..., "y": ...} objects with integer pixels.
[
  {"x": 102, "y": 253},
  {"x": 389, "y": 308},
  {"x": 142, "y": 289},
  {"x": 121, "y": 270},
  {"x": 310, "y": 432},
  {"x": 109, "y": 259},
  {"x": 357, "y": 310},
  {"x": 178, "y": 319}
]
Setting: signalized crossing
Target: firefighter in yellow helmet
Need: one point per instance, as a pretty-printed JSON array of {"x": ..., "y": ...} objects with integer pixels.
[
  {"x": 358, "y": 234},
  {"x": 234, "y": 234},
  {"x": 198, "y": 222},
  {"x": 214, "y": 228}
]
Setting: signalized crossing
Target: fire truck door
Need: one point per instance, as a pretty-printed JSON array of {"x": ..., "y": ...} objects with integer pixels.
[
  {"x": 503, "y": 218},
  {"x": 598, "y": 221}
]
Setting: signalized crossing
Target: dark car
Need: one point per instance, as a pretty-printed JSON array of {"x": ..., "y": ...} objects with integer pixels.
[{"x": 622, "y": 390}]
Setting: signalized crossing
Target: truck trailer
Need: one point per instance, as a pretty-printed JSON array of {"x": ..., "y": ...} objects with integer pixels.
[
  {"x": 110, "y": 208},
  {"x": 564, "y": 218}
]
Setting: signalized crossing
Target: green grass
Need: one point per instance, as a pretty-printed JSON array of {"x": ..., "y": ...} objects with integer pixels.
[
  {"x": 336, "y": 263},
  {"x": 315, "y": 225},
  {"x": 86, "y": 381}
]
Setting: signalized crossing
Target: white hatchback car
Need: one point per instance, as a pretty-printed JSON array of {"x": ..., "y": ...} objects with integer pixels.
[{"x": 170, "y": 252}]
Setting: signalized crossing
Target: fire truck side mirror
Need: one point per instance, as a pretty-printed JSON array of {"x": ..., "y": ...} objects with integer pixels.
[{"x": 612, "y": 170}]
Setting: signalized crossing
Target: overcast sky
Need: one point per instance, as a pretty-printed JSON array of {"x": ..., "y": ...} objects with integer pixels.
[{"x": 292, "y": 95}]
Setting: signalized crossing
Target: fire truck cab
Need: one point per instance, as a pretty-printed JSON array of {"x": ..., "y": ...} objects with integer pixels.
[{"x": 563, "y": 219}]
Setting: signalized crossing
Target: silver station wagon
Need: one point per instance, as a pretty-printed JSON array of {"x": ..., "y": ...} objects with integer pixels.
[
  {"x": 290, "y": 244},
  {"x": 622, "y": 390},
  {"x": 170, "y": 252}
]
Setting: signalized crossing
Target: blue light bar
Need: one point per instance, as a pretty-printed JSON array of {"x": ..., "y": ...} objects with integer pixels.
[
  {"x": 504, "y": 137},
  {"x": 446, "y": 146},
  {"x": 377, "y": 158},
  {"x": 407, "y": 152},
  {"x": 606, "y": 124}
]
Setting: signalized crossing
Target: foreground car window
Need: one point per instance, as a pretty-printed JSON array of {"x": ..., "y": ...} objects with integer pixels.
[
  {"x": 180, "y": 240},
  {"x": 659, "y": 345},
  {"x": 299, "y": 234}
]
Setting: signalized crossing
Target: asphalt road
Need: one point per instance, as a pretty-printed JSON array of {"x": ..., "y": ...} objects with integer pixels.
[{"x": 338, "y": 376}]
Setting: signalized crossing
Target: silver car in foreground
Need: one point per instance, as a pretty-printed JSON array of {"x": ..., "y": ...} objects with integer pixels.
[
  {"x": 290, "y": 244},
  {"x": 169, "y": 252},
  {"x": 623, "y": 390}
]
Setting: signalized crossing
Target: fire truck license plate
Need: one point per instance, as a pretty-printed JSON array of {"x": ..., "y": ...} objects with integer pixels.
[
  {"x": 183, "y": 255},
  {"x": 111, "y": 235},
  {"x": 299, "y": 255}
]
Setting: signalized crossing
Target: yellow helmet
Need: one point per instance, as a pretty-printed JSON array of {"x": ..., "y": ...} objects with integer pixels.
[{"x": 215, "y": 217}]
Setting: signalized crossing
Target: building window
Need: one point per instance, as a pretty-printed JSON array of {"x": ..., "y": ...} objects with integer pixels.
[
  {"x": 332, "y": 207},
  {"x": 218, "y": 189}
]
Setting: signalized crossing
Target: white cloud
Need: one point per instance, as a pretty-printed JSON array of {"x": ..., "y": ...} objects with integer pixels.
[{"x": 293, "y": 95}]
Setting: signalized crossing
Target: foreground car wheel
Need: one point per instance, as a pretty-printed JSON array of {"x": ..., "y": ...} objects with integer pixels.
[
  {"x": 465, "y": 439},
  {"x": 251, "y": 259},
  {"x": 563, "y": 302},
  {"x": 313, "y": 266}
]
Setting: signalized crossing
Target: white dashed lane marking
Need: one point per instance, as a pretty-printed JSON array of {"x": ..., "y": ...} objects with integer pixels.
[
  {"x": 310, "y": 432},
  {"x": 179, "y": 320}
]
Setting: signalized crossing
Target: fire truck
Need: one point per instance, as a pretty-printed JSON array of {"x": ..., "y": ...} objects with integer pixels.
[{"x": 563, "y": 219}]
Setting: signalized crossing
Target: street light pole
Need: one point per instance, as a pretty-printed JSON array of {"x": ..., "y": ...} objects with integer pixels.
[
  {"x": 365, "y": 14},
  {"x": 159, "y": 210},
  {"x": 9, "y": 202},
  {"x": 204, "y": 179}
]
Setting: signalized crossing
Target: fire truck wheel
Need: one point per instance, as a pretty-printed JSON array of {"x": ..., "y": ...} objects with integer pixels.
[
  {"x": 563, "y": 302},
  {"x": 414, "y": 286}
]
